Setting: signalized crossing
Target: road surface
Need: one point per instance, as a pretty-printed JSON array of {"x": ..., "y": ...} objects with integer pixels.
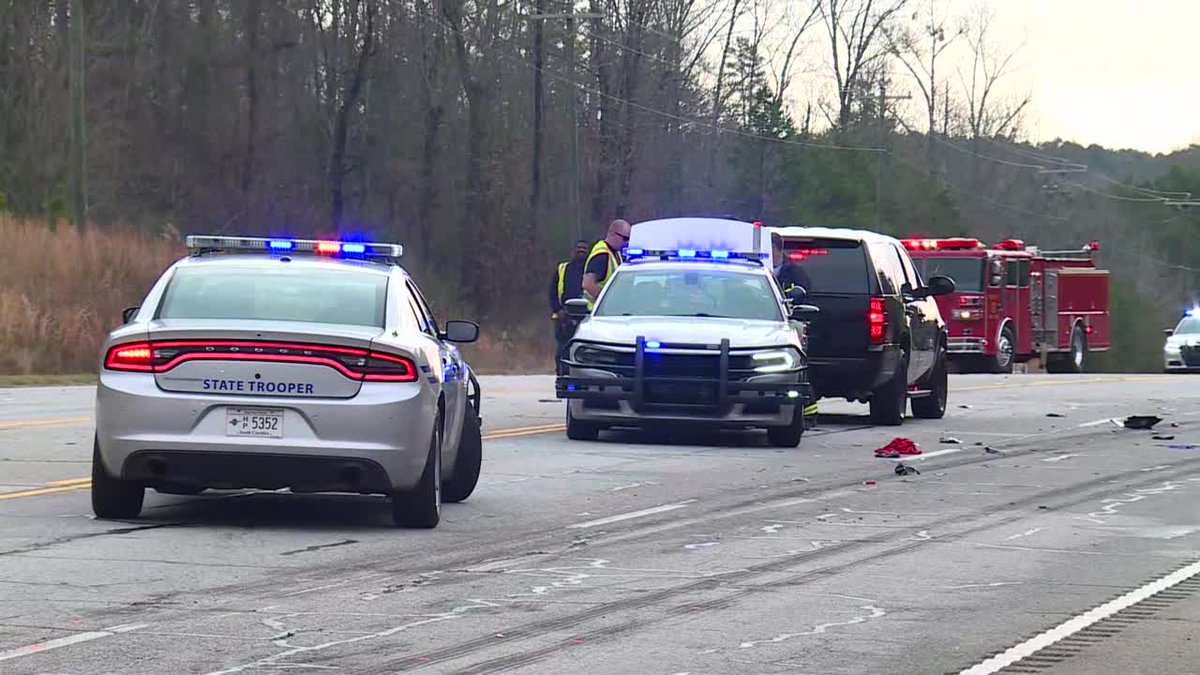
[{"x": 1048, "y": 540}]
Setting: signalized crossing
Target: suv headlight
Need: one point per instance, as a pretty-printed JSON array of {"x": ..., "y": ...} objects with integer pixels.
[
  {"x": 595, "y": 356},
  {"x": 1171, "y": 349},
  {"x": 775, "y": 361}
]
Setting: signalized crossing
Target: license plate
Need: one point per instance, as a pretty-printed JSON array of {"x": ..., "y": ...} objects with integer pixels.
[{"x": 258, "y": 422}]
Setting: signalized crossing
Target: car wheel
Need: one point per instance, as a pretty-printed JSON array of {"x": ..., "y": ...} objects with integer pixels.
[
  {"x": 112, "y": 497},
  {"x": 1002, "y": 362},
  {"x": 788, "y": 436},
  {"x": 933, "y": 406},
  {"x": 890, "y": 400},
  {"x": 580, "y": 431},
  {"x": 1072, "y": 361},
  {"x": 468, "y": 463},
  {"x": 421, "y": 507}
]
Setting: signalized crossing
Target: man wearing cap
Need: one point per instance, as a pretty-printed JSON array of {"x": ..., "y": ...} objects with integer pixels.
[{"x": 566, "y": 284}]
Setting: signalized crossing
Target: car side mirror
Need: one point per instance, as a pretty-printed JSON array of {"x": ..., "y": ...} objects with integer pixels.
[
  {"x": 461, "y": 331},
  {"x": 1168, "y": 332},
  {"x": 577, "y": 307},
  {"x": 798, "y": 295},
  {"x": 128, "y": 314},
  {"x": 805, "y": 312},
  {"x": 939, "y": 285}
]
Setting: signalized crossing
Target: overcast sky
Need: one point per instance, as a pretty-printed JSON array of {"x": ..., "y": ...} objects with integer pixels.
[{"x": 1118, "y": 73}]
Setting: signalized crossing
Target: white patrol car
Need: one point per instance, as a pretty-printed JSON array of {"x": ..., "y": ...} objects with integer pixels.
[
  {"x": 282, "y": 363},
  {"x": 1181, "y": 351},
  {"x": 692, "y": 330}
]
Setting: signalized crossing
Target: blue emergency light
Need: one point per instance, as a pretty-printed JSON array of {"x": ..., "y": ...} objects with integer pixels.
[
  {"x": 1193, "y": 312},
  {"x": 693, "y": 254},
  {"x": 199, "y": 244},
  {"x": 696, "y": 239}
]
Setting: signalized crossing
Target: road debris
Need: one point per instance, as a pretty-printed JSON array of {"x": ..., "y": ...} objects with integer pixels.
[
  {"x": 869, "y": 483},
  {"x": 949, "y": 440},
  {"x": 1055, "y": 415},
  {"x": 1141, "y": 421},
  {"x": 1161, "y": 437},
  {"x": 965, "y": 406},
  {"x": 903, "y": 469},
  {"x": 898, "y": 447},
  {"x": 990, "y": 450}
]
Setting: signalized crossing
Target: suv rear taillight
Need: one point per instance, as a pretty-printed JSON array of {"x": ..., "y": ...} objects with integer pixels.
[{"x": 877, "y": 321}]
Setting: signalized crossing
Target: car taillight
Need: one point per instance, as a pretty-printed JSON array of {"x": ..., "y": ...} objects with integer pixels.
[
  {"x": 877, "y": 320},
  {"x": 380, "y": 367},
  {"x": 137, "y": 357}
]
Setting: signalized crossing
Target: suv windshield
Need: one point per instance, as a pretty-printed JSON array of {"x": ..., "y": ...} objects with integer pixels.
[
  {"x": 696, "y": 292},
  {"x": 1189, "y": 326},
  {"x": 967, "y": 273},
  {"x": 831, "y": 265},
  {"x": 341, "y": 296}
]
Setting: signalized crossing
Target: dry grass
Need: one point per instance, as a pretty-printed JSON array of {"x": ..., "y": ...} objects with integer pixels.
[{"x": 63, "y": 289}]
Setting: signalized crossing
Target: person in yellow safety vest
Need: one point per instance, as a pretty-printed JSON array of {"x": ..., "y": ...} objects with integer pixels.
[
  {"x": 566, "y": 284},
  {"x": 604, "y": 258},
  {"x": 790, "y": 274}
]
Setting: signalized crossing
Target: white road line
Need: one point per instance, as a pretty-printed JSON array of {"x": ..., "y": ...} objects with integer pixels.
[
  {"x": 1026, "y": 533},
  {"x": 937, "y": 453},
  {"x": 69, "y": 640},
  {"x": 1078, "y": 623},
  {"x": 1106, "y": 420},
  {"x": 1060, "y": 458},
  {"x": 633, "y": 514}
]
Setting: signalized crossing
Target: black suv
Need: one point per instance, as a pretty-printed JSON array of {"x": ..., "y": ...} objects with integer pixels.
[{"x": 879, "y": 337}]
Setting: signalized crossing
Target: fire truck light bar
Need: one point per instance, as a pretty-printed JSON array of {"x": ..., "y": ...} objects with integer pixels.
[
  {"x": 1010, "y": 245},
  {"x": 949, "y": 244}
]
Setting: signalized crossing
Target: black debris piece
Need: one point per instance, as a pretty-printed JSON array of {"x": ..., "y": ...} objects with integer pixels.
[
  {"x": 1055, "y": 415},
  {"x": 906, "y": 470},
  {"x": 1161, "y": 437},
  {"x": 1141, "y": 421},
  {"x": 991, "y": 451}
]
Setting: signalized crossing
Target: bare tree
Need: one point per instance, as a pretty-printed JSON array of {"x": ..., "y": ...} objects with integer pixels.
[
  {"x": 854, "y": 28},
  {"x": 349, "y": 100},
  {"x": 919, "y": 46},
  {"x": 988, "y": 114}
]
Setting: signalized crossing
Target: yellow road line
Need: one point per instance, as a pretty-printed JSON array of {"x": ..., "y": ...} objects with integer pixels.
[
  {"x": 1057, "y": 383},
  {"x": 45, "y": 491},
  {"x": 73, "y": 484},
  {"x": 45, "y": 423}
]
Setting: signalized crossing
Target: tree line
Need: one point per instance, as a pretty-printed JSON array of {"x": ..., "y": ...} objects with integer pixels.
[{"x": 487, "y": 134}]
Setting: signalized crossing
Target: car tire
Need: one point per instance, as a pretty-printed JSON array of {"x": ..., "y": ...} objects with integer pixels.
[
  {"x": 933, "y": 406},
  {"x": 468, "y": 463},
  {"x": 113, "y": 498},
  {"x": 1006, "y": 347},
  {"x": 580, "y": 431},
  {"x": 889, "y": 401},
  {"x": 788, "y": 436},
  {"x": 421, "y": 506}
]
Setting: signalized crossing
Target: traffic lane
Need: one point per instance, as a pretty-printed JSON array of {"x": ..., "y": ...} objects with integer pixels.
[
  {"x": 46, "y": 432},
  {"x": 547, "y": 471},
  {"x": 792, "y": 577}
]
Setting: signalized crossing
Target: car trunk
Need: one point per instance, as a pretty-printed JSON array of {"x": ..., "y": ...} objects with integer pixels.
[{"x": 279, "y": 359}]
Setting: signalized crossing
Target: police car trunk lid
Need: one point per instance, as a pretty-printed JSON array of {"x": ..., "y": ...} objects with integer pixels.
[{"x": 273, "y": 359}]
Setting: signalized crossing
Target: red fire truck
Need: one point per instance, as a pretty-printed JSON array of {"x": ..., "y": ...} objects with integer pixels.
[{"x": 1013, "y": 303}]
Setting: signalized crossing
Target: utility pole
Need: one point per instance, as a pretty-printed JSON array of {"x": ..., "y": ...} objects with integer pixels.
[
  {"x": 77, "y": 71},
  {"x": 570, "y": 17},
  {"x": 880, "y": 155}
]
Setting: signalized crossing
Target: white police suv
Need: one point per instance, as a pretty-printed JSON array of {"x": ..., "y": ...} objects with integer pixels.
[
  {"x": 1181, "y": 351},
  {"x": 286, "y": 363},
  {"x": 692, "y": 331}
]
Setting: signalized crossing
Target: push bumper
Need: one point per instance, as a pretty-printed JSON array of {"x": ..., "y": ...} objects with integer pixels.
[{"x": 642, "y": 392}]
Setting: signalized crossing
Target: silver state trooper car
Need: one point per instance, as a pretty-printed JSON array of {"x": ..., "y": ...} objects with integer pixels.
[
  {"x": 286, "y": 363},
  {"x": 691, "y": 331},
  {"x": 1181, "y": 352}
]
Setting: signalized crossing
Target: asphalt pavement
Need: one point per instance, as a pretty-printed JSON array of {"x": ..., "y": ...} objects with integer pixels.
[{"x": 1047, "y": 539}]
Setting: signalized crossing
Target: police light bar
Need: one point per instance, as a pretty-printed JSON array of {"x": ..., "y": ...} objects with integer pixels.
[
  {"x": 692, "y": 254},
  {"x": 1193, "y": 313},
  {"x": 200, "y": 243},
  {"x": 948, "y": 244}
]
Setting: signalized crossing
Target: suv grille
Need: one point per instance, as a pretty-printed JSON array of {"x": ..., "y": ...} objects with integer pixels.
[{"x": 1191, "y": 356}]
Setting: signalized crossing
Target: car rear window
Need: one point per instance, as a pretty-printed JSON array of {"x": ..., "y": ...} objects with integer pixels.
[
  {"x": 304, "y": 294},
  {"x": 832, "y": 265}
]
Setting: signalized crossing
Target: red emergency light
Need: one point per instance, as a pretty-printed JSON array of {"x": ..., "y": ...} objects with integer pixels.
[
  {"x": 1011, "y": 245},
  {"x": 948, "y": 244},
  {"x": 798, "y": 255}
]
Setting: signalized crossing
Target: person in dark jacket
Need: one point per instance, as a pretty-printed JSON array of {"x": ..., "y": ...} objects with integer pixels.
[
  {"x": 565, "y": 284},
  {"x": 790, "y": 274}
]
